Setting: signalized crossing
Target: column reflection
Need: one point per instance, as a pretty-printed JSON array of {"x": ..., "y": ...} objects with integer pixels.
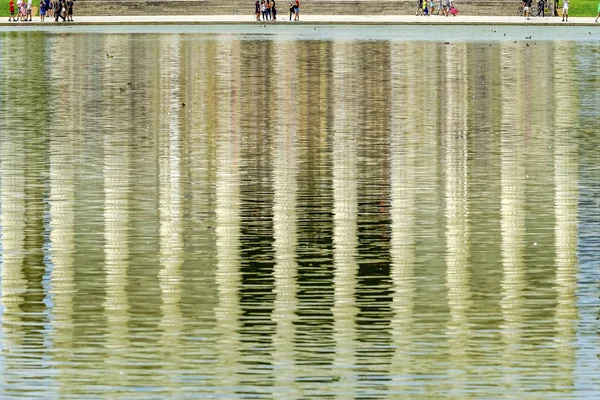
[
  {"x": 512, "y": 223},
  {"x": 228, "y": 222},
  {"x": 116, "y": 252},
  {"x": 566, "y": 181},
  {"x": 12, "y": 230},
  {"x": 62, "y": 250},
  {"x": 345, "y": 209},
  {"x": 403, "y": 147},
  {"x": 285, "y": 188},
  {"x": 457, "y": 214},
  {"x": 170, "y": 212}
]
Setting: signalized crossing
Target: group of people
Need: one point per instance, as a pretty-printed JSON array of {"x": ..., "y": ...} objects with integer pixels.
[
  {"x": 266, "y": 9},
  {"x": 52, "y": 8},
  {"x": 427, "y": 7},
  {"x": 526, "y": 6}
]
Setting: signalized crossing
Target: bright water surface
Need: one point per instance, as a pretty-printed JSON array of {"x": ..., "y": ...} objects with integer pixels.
[{"x": 192, "y": 215}]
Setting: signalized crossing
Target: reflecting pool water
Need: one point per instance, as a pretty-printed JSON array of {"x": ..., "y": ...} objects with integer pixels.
[{"x": 236, "y": 216}]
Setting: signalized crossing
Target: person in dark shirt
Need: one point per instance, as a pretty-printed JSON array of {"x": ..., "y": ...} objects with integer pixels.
[
  {"x": 58, "y": 6},
  {"x": 70, "y": 10}
]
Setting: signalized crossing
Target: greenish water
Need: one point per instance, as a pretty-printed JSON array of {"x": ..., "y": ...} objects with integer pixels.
[{"x": 235, "y": 216}]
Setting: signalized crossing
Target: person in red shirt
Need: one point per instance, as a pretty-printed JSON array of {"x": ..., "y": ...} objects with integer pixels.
[{"x": 11, "y": 7}]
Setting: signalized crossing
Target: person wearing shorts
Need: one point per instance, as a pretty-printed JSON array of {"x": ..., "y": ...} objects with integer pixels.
[
  {"x": 70, "y": 10},
  {"x": 297, "y": 10},
  {"x": 29, "y": 8},
  {"x": 11, "y": 8},
  {"x": 565, "y": 11}
]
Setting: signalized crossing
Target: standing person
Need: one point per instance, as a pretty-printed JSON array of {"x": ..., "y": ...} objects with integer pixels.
[
  {"x": 448, "y": 5},
  {"x": 42, "y": 10},
  {"x": 541, "y": 5},
  {"x": 273, "y": 11},
  {"x": 291, "y": 10},
  {"x": 20, "y": 10},
  {"x": 11, "y": 8},
  {"x": 565, "y": 11},
  {"x": 49, "y": 7},
  {"x": 263, "y": 9},
  {"x": 70, "y": 10},
  {"x": 268, "y": 10},
  {"x": 527, "y": 8},
  {"x": 598, "y": 16},
  {"x": 431, "y": 6},
  {"x": 257, "y": 10},
  {"x": 28, "y": 16},
  {"x": 297, "y": 10}
]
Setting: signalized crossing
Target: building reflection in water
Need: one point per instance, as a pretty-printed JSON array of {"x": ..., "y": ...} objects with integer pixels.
[
  {"x": 285, "y": 188},
  {"x": 228, "y": 223},
  {"x": 343, "y": 127},
  {"x": 345, "y": 208}
]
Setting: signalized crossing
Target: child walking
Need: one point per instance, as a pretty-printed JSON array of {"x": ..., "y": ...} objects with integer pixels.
[{"x": 11, "y": 8}]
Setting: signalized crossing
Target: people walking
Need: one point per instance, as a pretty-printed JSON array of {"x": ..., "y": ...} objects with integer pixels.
[
  {"x": 598, "y": 16},
  {"x": 565, "y": 11},
  {"x": 419, "y": 7},
  {"x": 58, "y": 10}
]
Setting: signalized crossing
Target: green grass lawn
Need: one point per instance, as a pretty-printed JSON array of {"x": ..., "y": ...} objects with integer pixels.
[{"x": 577, "y": 8}]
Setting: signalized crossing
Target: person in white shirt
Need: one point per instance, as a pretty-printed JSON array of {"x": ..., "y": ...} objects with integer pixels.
[
  {"x": 28, "y": 11},
  {"x": 565, "y": 10}
]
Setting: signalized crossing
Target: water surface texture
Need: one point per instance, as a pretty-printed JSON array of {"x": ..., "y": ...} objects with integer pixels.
[{"x": 236, "y": 216}]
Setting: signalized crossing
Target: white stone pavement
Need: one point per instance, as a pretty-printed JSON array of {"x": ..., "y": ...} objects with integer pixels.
[{"x": 313, "y": 19}]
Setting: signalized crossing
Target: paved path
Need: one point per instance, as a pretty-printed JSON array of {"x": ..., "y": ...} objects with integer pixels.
[{"x": 315, "y": 19}]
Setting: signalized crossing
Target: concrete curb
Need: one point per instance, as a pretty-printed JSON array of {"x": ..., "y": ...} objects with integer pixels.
[{"x": 307, "y": 20}]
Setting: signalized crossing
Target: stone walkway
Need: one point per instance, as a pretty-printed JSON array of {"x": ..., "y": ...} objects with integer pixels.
[{"x": 314, "y": 19}]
